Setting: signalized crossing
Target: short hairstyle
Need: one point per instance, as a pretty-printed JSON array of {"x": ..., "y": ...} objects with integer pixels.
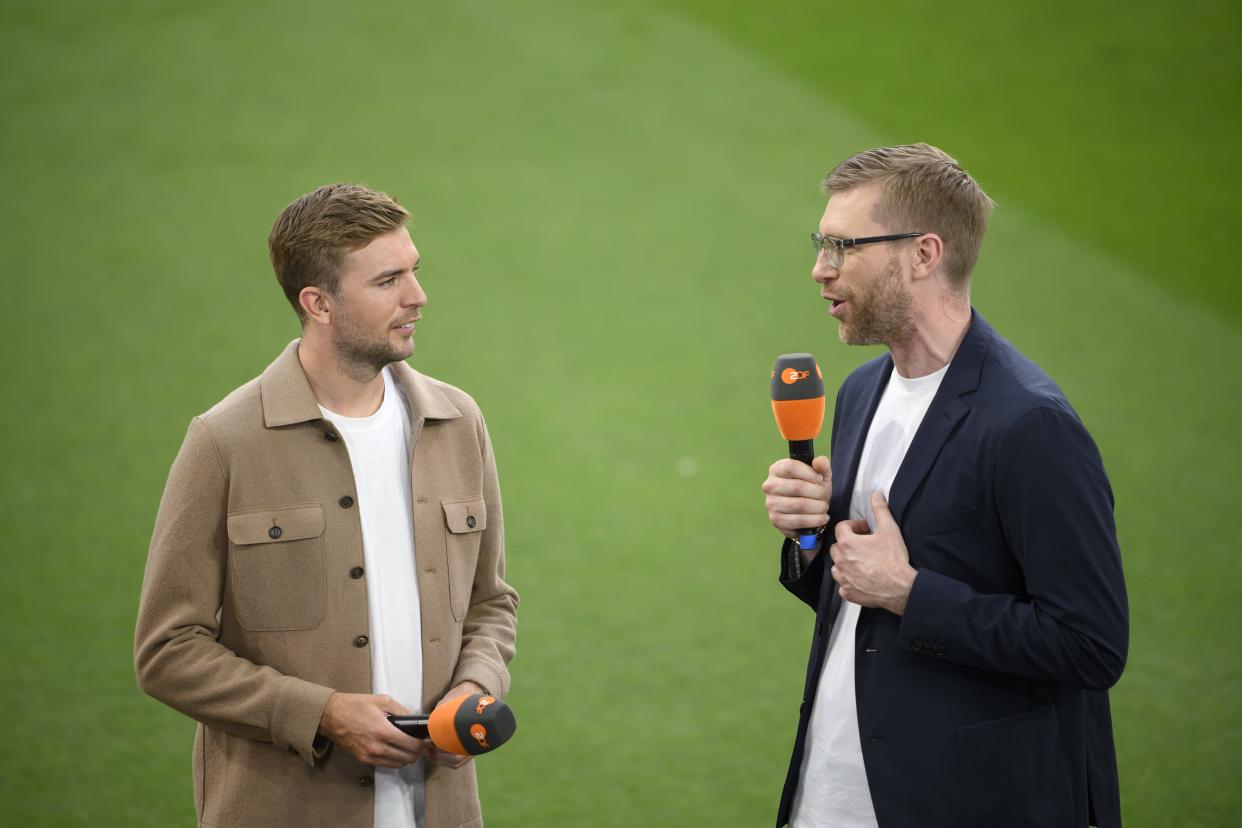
[
  {"x": 311, "y": 236},
  {"x": 923, "y": 189}
]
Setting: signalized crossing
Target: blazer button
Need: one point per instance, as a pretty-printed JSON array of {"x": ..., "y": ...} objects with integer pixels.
[
  {"x": 361, "y": 641},
  {"x": 346, "y": 502},
  {"x": 470, "y": 521},
  {"x": 356, "y": 572},
  {"x": 274, "y": 532},
  {"x": 366, "y": 781},
  {"x": 330, "y": 436}
]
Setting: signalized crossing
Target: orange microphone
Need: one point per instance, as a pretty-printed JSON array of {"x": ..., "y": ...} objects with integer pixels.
[
  {"x": 465, "y": 725},
  {"x": 798, "y": 403}
]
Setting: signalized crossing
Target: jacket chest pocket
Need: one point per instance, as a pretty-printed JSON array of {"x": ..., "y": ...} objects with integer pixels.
[
  {"x": 465, "y": 519},
  {"x": 276, "y": 567}
]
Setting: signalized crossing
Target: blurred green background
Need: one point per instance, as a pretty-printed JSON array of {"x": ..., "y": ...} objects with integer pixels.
[{"x": 612, "y": 201}]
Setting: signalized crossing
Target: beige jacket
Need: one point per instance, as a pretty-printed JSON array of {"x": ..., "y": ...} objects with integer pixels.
[{"x": 254, "y": 602}]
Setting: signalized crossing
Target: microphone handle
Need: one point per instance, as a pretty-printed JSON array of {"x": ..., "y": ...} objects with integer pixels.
[
  {"x": 804, "y": 450},
  {"x": 415, "y": 726}
]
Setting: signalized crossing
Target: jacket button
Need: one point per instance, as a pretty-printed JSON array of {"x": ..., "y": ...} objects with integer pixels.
[
  {"x": 346, "y": 502},
  {"x": 470, "y": 521},
  {"x": 366, "y": 781},
  {"x": 274, "y": 532},
  {"x": 330, "y": 436},
  {"x": 356, "y": 572},
  {"x": 361, "y": 641}
]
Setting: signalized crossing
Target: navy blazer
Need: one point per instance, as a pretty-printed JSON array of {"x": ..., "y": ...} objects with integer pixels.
[{"x": 986, "y": 703}]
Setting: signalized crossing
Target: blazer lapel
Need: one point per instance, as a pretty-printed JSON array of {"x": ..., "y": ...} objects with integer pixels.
[
  {"x": 946, "y": 410},
  {"x": 847, "y": 443}
]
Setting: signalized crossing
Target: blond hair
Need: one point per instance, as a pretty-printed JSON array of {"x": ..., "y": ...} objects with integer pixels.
[
  {"x": 923, "y": 190},
  {"x": 311, "y": 236}
]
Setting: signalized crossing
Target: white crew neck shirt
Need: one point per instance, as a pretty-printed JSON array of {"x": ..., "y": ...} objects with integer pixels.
[
  {"x": 379, "y": 452},
  {"x": 832, "y": 787}
]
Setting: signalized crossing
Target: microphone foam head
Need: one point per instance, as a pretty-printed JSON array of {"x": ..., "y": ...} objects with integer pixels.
[
  {"x": 470, "y": 725},
  {"x": 798, "y": 396}
]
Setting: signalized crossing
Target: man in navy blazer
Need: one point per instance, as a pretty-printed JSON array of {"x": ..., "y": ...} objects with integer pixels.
[{"x": 970, "y": 607}]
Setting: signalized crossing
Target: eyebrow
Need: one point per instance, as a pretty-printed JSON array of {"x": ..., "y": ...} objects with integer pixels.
[{"x": 396, "y": 271}]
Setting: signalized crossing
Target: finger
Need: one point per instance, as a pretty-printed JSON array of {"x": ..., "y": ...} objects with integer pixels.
[
  {"x": 789, "y": 487},
  {"x": 846, "y": 528},
  {"x": 883, "y": 515},
  {"x": 390, "y": 705},
  {"x": 400, "y": 740},
  {"x": 443, "y": 757},
  {"x": 780, "y": 505},
  {"x": 795, "y": 469},
  {"x": 835, "y": 554},
  {"x": 792, "y": 523},
  {"x": 822, "y": 465},
  {"x": 388, "y": 756}
]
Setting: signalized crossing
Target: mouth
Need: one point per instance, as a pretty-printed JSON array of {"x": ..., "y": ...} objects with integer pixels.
[
  {"x": 406, "y": 327},
  {"x": 837, "y": 304}
]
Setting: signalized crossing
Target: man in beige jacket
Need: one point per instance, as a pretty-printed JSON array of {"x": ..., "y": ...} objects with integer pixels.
[{"x": 329, "y": 549}]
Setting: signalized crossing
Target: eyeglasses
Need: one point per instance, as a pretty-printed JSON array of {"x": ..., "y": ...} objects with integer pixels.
[{"x": 834, "y": 248}]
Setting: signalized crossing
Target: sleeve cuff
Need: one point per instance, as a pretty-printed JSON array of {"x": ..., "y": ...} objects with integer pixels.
[
  {"x": 495, "y": 682},
  {"x": 792, "y": 569},
  {"x": 928, "y": 603},
  {"x": 295, "y": 721}
]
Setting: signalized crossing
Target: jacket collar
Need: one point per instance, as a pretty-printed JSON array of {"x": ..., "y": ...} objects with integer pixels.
[
  {"x": 288, "y": 399},
  {"x": 946, "y": 410}
]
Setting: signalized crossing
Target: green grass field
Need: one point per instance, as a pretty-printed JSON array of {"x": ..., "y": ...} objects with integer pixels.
[{"x": 612, "y": 201}]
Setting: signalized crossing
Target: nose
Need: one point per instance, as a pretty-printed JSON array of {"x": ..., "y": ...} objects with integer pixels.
[
  {"x": 823, "y": 273},
  {"x": 413, "y": 296}
]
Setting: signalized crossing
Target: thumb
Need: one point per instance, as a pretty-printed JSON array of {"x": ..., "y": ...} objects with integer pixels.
[
  {"x": 883, "y": 515},
  {"x": 821, "y": 465}
]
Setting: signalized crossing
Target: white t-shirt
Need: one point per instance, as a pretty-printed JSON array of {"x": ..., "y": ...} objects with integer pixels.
[
  {"x": 379, "y": 451},
  {"x": 832, "y": 788}
]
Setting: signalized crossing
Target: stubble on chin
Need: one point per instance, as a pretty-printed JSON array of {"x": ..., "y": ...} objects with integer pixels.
[
  {"x": 361, "y": 358},
  {"x": 885, "y": 315}
]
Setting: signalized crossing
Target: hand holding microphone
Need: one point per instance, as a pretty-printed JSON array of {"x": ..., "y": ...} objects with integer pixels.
[
  {"x": 798, "y": 489},
  {"x": 465, "y": 725}
]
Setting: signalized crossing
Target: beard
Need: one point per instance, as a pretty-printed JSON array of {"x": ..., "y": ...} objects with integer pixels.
[
  {"x": 881, "y": 314},
  {"x": 362, "y": 351}
]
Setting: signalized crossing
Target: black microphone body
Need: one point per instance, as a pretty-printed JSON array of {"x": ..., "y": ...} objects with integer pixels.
[
  {"x": 803, "y": 450},
  {"x": 415, "y": 726}
]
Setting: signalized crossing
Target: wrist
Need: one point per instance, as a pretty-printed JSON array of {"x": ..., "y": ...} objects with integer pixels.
[
  {"x": 906, "y": 579},
  {"x": 328, "y": 717}
]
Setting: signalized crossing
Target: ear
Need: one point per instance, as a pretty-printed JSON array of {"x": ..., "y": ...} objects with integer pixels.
[
  {"x": 928, "y": 251},
  {"x": 316, "y": 305}
]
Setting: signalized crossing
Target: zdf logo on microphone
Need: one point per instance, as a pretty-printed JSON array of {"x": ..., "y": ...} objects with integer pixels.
[{"x": 791, "y": 375}]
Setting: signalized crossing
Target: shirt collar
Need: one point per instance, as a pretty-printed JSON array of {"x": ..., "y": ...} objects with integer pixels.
[{"x": 288, "y": 399}]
